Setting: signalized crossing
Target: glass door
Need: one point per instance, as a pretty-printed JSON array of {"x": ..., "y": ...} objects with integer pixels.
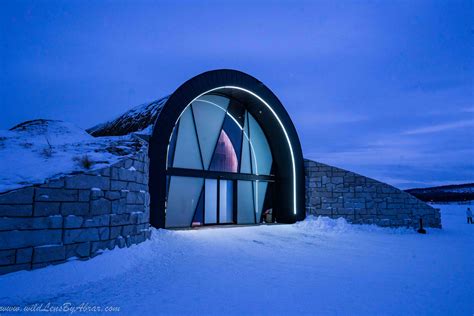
[
  {"x": 226, "y": 202},
  {"x": 210, "y": 202},
  {"x": 218, "y": 202}
]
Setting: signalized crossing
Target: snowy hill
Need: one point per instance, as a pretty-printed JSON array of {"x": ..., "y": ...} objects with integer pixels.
[
  {"x": 445, "y": 193},
  {"x": 139, "y": 118},
  {"x": 34, "y": 151}
]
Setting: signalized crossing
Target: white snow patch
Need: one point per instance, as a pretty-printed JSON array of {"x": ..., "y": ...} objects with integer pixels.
[
  {"x": 132, "y": 168},
  {"x": 50, "y": 149},
  {"x": 96, "y": 189}
]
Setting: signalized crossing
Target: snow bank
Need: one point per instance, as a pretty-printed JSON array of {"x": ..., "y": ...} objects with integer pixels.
[
  {"x": 340, "y": 225},
  {"x": 37, "y": 150}
]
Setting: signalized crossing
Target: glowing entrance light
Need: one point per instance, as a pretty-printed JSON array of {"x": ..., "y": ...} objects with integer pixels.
[{"x": 293, "y": 165}]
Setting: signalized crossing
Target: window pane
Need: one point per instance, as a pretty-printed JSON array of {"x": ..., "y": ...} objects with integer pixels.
[
  {"x": 261, "y": 189},
  {"x": 187, "y": 150},
  {"x": 245, "y": 203},
  {"x": 172, "y": 145},
  {"x": 245, "y": 165},
  {"x": 261, "y": 148},
  {"x": 182, "y": 200},
  {"x": 198, "y": 218},
  {"x": 234, "y": 132},
  {"x": 209, "y": 113},
  {"x": 225, "y": 201},
  {"x": 225, "y": 158},
  {"x": 210, "y": 205}
]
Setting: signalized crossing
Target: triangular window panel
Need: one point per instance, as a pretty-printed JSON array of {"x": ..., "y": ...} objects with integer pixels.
[
  {"x": 225, "y": 157},
  {"x": 261, "y": 148},
  {"x": 234, "y": 132},
  {"x": 209, "y": 112},
  {"x": 187, "y": 154}
]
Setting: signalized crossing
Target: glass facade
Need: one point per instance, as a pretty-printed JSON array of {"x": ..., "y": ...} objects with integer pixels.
[{"x": 216, "y": 157}]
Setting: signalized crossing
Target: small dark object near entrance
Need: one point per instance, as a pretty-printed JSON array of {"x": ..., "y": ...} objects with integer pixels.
[{"x": 421, "y": 230}]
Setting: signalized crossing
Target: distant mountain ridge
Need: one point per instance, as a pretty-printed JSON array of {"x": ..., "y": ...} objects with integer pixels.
[
  {"x": 136, "y": 119},
  {"x": 445, "y": 193}
]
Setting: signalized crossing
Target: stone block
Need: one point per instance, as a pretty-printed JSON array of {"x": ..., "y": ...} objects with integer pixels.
[
  {"x": 81, "y": 235},
  {"x": 105, "y": 172},
  {"x": 101, "y": 206},
  {"x": 16, "y": 210},
  {"x": 120, "y": 241},
  {"x": 14, "y": 223},
  {"x": 139, "y": 166},
  {"x": 102, "y": 245},
  {"x": 96, "y": 194},
  {"x": 133, "y": 208},
  {"x": 112, "y": 195},
  {"x": 97, "y": 221},
  {"x": 140, "y": 238},
  {"x": 139, "y": 218},
  {"x": 323, "y": 212},
  {"x": 75, "y": 208},
  {"x": 73, "y": 221},
  {"x": 46, "y": 208},
  {"x": 126, "y": 174},
  {"x": 7, "y": 257},
  {"x": 80, "y": 250},
  {"x": 20, "y": 196},
  {"x": 29, "y": 238},
  {"x": 49, "y": 253},
  {"x": 119, "y": 207},
  {"x": 84, "y": 195},
  {"x": 58, "y": 183},
  {"x": 132, "y": 186},
  {"x": 354, "y": 205},
  {"x": 127, "y": 163},
  {"x": 129, "y": 230},
  {"x": 118, "y": 185},
  {"x": 139, "y": 177},
  {"x": 24, "y": 255},
  {"x": 55, "y": 195},
  {"x": 115, "y": 231},
  {"x": 85, "y": 181},
  {"x": 119, "y": 219}
]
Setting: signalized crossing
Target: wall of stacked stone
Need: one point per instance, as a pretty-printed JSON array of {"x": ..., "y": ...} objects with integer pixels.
[
  {"x": 335, "y": 192},
  {"x": 75, "y": 216}
]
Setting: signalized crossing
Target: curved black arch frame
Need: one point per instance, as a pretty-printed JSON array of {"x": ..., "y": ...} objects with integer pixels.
[{"x": 284, "y": 210}]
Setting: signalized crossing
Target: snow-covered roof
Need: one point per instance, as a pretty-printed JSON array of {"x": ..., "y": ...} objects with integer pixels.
[
  {"x": 139, "y": 118},
  {"x": 34, "y": 151}
]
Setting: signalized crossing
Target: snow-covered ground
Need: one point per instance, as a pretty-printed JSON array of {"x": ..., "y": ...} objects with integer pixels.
[
  {"x": 50, "y": 149},
  {"x": 318, "y": 267}
]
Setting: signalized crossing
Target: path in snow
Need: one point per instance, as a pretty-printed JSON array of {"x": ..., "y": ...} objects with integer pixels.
[{"x": 319, "y": 266}]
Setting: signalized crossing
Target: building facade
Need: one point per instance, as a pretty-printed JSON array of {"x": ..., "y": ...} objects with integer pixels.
[{"x": 222, "y": 151}]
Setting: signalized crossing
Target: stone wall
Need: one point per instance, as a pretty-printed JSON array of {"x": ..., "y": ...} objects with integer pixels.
[
  {"x": 75, "y": 216},
  {"x": 337, "y": 193}
]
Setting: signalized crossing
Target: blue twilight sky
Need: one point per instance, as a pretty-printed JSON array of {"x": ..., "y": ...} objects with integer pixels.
[{"x": 383, "y": 88}]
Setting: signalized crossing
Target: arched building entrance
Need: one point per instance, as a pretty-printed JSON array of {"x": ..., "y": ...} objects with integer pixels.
[{"x": 224, "y": 151}]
